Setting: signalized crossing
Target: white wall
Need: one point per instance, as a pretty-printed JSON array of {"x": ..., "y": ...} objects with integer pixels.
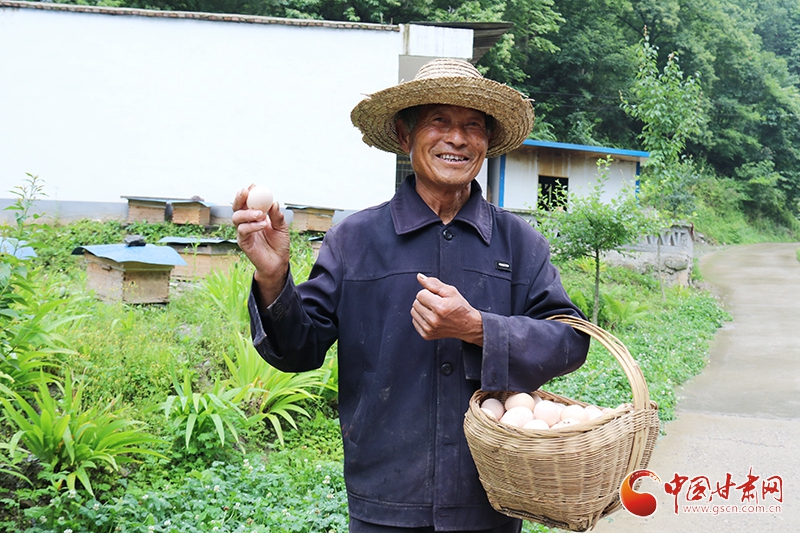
[
  {"x": 101, "y": 106},
  {"x": 521, "y": 184},
  {"x": 584, "y": 174}
]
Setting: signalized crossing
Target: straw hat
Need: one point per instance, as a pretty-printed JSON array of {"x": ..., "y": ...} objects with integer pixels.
[{"x": 446, "y": 81}]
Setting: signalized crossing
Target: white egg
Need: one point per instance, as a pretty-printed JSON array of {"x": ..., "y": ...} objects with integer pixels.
[
  {"x": 536, "y": 397},
  {"x": 489, "y": 412},
  {"x": 522, "y": 413},
  {"x": 522, "y": 398},
  {"x": 564, "y": 423},
  {"x": 512, "y": 419},
  {"x": 593, "y": 412},
  {"x": 574, "y": 411},
  {"x": 536, "y": 424},
  {"x": 494, "y": 405},
  {"x": 547, "y": 411},
  {"x": 260, "y": 197}
]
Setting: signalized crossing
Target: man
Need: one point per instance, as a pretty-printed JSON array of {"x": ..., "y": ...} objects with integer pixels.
[{"x": 432, "y": 295}]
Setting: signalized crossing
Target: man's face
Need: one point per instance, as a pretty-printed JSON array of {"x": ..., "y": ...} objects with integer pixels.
[{"x": 447, "y": 145}]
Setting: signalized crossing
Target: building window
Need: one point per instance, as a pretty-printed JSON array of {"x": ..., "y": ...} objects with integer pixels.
[{"x": 552, "y": 192}]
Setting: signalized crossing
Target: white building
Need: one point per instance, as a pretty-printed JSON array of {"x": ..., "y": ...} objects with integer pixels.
[
  {"x": 515, "y": 179},
  {"x": 102, "y": 103}
]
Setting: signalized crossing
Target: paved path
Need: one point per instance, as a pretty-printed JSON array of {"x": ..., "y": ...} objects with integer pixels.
[{"x": 743, "y": 411}]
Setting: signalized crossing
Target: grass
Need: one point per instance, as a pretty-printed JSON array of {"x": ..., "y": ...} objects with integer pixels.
[
  {"x": 126, "y": 351},
  {"x": 669, "y": 340}
]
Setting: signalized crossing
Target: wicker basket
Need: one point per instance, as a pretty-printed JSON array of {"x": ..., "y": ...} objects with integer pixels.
[{"x": 567, "y": 478}]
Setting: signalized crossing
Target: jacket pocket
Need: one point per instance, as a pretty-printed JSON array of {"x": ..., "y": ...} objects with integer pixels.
[{"x": 490, "y": 292}]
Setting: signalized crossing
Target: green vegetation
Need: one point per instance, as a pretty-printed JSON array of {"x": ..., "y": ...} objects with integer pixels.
[
  {"x": 591, "y": 227},
  {"x": 191, "y": 431}
]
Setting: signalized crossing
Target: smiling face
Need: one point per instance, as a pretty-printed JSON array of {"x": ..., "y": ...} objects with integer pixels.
[{"x": 447, "y": 145}]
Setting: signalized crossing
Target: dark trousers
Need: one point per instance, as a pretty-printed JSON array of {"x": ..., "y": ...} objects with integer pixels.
[{"x": 357, "y": 526}]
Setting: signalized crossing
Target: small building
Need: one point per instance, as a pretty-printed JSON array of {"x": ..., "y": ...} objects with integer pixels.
[
  {"x": 191, "y": 211},
  {"x": 145, "y": 209},
  {"x": 310, "y": 218},
  {"x": 131, "y": 274},
  {"x": 179, "y": 210},
  {"x": 202, "y": 256},
  {"x": 515, "y": 180}
]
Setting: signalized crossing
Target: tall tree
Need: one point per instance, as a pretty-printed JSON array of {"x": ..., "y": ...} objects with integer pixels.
[{"x": 669, "y": 108}]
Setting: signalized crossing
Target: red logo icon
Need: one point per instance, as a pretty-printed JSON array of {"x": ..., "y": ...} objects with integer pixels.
[{"x": 638, "y": 503}]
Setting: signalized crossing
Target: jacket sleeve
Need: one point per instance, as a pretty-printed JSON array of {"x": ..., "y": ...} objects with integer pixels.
[
  {"x": 295, "y": 332},
  {"x": 524, "y": 351}
]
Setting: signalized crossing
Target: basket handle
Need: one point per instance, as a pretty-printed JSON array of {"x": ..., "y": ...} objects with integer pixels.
[{"x": 641, "y": 395}]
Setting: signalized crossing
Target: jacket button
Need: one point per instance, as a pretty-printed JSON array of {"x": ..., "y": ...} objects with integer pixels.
[
  {"x": 447, "y": 235},
  {"x": 447, "y": 369}
]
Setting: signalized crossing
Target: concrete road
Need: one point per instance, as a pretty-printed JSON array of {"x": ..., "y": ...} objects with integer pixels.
[{"x": 742, "y": 414}]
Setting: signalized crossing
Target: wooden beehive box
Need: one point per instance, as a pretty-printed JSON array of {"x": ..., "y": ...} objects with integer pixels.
[
  {"x": 143, "y": 209},
  {"x": 179, "y": 210},
  {"x": 131, "y": 274},
  {"x": 191, "y": 212},
  {"x": 202, "y": 256},
  {"x": 305, "y": 218}
]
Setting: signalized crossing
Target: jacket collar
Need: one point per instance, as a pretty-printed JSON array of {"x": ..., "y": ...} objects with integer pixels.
[{"x": 410, "y": 212}]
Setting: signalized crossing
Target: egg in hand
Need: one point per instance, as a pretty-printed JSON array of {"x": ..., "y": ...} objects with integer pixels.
[{"x": 260, "y": 197}]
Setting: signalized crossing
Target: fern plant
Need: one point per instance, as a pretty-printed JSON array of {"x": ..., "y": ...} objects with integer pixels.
[
  {"x": 205, "y": 420},
  {"x": 617, "y": 313},
  {"x": 269, "y": 391}
]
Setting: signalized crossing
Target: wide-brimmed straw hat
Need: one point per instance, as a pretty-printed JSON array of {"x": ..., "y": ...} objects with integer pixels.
[{"x": 452, "y": 82}]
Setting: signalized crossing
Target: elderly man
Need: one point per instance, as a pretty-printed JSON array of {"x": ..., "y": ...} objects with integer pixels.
[{"x": 431, "y": 296}]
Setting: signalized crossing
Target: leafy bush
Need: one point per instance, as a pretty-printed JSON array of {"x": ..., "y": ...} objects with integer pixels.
[
  {"x": 616, "y": 313},
  {"x": 592, "y": 226},
  {"x": 271, "y": 392},
  {"x": 292, "y": 493},
  {"x": 203, "y": 421},
  {"x": 31, "y": 321},
  {"x": 68, "y": 439},
  {"x": 229, "y": 291}
]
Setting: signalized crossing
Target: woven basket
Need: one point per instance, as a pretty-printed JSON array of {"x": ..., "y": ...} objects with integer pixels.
[{"x": 570, "y": 477}]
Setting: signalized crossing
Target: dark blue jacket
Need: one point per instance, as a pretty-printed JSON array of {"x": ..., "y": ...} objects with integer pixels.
[{"x": 402, "y": 399}]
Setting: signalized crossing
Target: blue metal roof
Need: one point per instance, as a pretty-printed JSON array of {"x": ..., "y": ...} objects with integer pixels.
[
  {"x": 585, "y": 148},
  {"x": 149, "y": 254}
]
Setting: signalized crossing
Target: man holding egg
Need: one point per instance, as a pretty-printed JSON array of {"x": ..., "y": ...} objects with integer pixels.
[{"x": 431, "y": 296}]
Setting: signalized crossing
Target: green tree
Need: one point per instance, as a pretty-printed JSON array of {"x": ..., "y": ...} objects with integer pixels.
[
  {"x": 591, "y": 226},
  {"x": 669, "y": 107}
]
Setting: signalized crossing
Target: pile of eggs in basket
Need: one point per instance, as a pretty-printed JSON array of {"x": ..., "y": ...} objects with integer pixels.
[{"x": 530, "y": 411}]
